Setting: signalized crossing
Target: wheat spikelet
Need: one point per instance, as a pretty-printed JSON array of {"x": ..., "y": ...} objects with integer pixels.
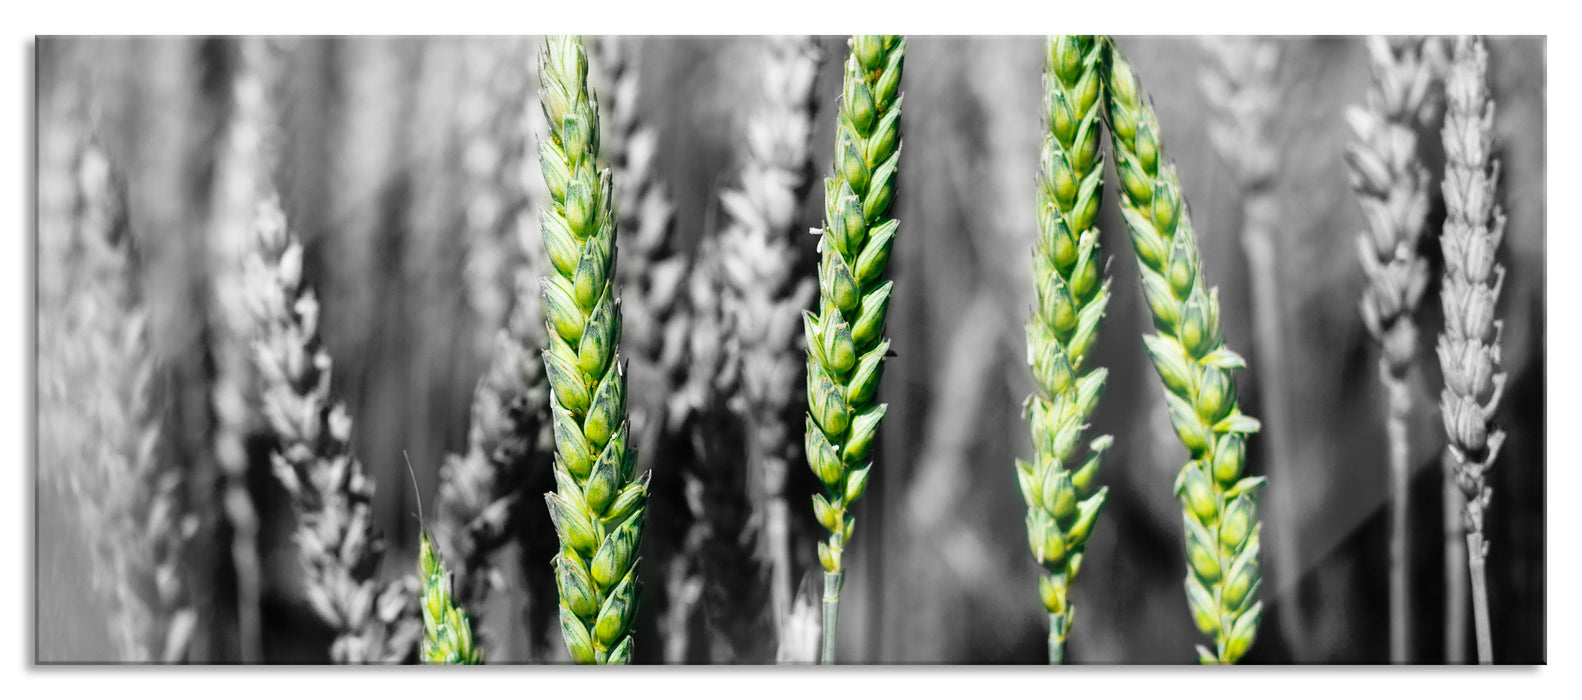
[
  {"x": 447, "y": 629},
  {"x": 99, "y": 421},
  {"x": 845, "y": 343},
  {"x": 1392, "y": 188},
  {"x": 1219, "y": 503},
  {"x": 1072, "y": 295},
  {"x": 243, "y": 168},
  {"x": 337, "y": 543},
  {"x": 1469, "y": 347},
  {"x": 597, "y": 506}
]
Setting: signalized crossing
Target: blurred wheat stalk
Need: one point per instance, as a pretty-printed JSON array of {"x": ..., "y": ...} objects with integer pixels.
[
  {"x": 1073, "y": 292},
  {"x": 1469, "y": 348},
  {"x": 1392, "y": 188},
  {"x": 1220, "y": 517},
  {"x": 98, "y": 400}
]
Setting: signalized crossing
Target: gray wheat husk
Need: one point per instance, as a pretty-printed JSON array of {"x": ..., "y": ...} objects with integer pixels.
[
  {"x": 337, "y": 544},
  {"x": 1392, "y": 187},
  {"x": 1469, "y": 347}
]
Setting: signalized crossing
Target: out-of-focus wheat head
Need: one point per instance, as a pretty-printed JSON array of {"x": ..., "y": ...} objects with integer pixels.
[
  {"x": 337, "y": 543},
  {"x": 447, "y": 628},
  {"x": 760, "y": 298},
  {"x": 1219, "y": 506},
  {"x": 99, "y": 424},
  {"x": 598, "y": 504},
  {"x": 652, "y": 273},
  {"x": 242, "y": 179},
  {"x": 1392, "y": 188},
  {"x": 508, "y": 438},
  {"x": 1073, "y": 292},
  {"x": 1469, "y": 347}
]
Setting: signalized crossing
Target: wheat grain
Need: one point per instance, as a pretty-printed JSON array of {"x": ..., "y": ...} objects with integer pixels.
[
  {"x": 447, "y": 629},
  {"x": 1469, "y": 347},
  {"x": 845, "y": 344},
  {"x": 1392, "y": 188},
  {"x": 597, "y": 506},
  {"x": 1072, "y": 295},
  {"x": 1219, "y": 503}
]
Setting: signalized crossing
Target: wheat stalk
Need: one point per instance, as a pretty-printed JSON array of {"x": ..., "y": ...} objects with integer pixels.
[
  {"x": 597, "y": 506},
  {"x": 447, "y": 629},
  {"x": 99, "y": 420},
  {"x": 845, "y": 343},
  {"x": 338, "y": 545},
  {"x": 1392, "y": 188},
  {"x": 1072, "y": 294},
  {"x": 243, "y": 170},
  {"x": 1469, "y": 347},
  {"x": 1219, "y": 503}
]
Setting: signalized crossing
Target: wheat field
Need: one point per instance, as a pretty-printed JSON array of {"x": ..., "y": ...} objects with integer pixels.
[{"x": 409, "y": 172}]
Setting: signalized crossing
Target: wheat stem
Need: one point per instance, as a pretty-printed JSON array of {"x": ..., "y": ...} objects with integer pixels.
[
  {"x": 846, "y": 347},
  {"x": 1072, "y": 294},
  {"x": 598, "y": 504},
  {"x": 1220, "y": 516},
  {"x": 1469, "y": 347}
]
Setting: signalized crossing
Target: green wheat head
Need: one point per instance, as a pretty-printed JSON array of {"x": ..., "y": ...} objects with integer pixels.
[
  {"x": 447, "y": 629},
  {"x": 845, "y": 339},
  {"x": 597, "y": 506},
  {"x": 1072, "y": 294},
  {"x": 1220, "y": 515}
]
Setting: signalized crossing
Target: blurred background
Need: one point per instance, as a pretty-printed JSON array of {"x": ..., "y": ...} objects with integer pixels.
[{"x": 368, "y": 171}]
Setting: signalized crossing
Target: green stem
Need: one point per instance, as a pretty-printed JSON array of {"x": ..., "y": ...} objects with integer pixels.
[
  {"x": 1057, "y": 639},
  {"x": 1480, "y": 597},
  {"x": 831, "y": 616}
]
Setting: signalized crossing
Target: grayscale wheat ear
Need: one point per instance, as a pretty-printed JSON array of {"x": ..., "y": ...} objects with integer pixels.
[
  {"x": 99, "y": 408},
  {"x": 337, "y": 544},
  {"x": 1392, "y": 187},
  {"x": 1469, "y": 347}
]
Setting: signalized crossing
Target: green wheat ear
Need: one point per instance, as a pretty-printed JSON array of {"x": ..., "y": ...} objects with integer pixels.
[
  {"x": 1220, "y": 512},
  {"x": 1072, "y": 293},
  {"x": 845, "y": 339},
  {"x": 447, "y": 628},
  {"x": 598, "y": 503}
]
